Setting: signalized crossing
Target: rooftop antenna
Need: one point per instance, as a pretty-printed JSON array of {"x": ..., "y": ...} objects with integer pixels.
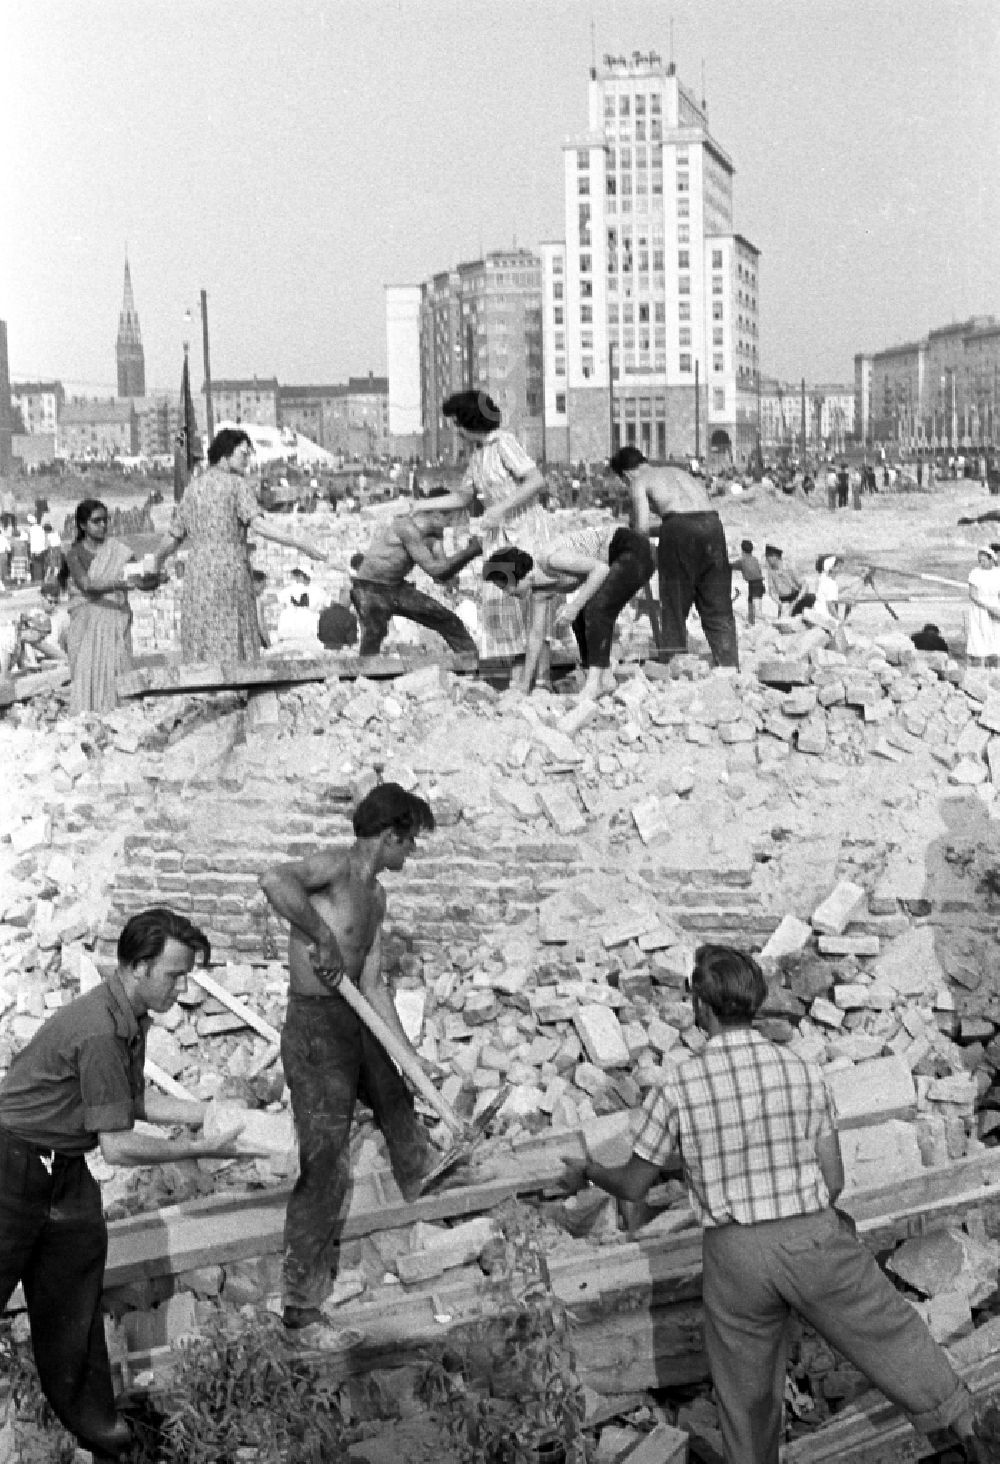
[
  {"x": 671, "y": 69},
  {"x": 593, "y": 47},
  {"x": 704, "y": 99}
]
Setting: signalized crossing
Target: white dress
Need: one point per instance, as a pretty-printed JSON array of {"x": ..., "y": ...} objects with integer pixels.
[{"x": 984, "y": 631}]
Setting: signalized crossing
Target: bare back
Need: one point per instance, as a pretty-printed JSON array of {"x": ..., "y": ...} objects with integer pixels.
[
  {"x": 670, "y": 489},
  {"x": 354, "y": 910}
]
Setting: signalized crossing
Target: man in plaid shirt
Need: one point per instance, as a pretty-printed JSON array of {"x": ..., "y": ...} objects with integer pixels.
[{"x": 755, "y": 1130}]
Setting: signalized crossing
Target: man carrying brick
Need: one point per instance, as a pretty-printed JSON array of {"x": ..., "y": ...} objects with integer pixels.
[
  {"x": 755, "y": 1130},
  {"x": 692, "y": 558},
  {"x": 79, "y": 1083},
  {"x": 336, "y": 907},
  {"x": 380, "y": 588}
]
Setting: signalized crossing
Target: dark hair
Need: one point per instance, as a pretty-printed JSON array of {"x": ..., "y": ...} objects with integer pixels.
[
  {"x": 930, "y": 629},
  {"x": 508, "y": 567},
  {"x": 728, "y": 981},
  {"x": 85, "y": 511},
  {"x": 474, "y": 410},
  {"x": 747, "y": 546},
  {"x": 438, "y": 491},
  {"x": 388, "y": 806},
  {"x": 625, "y": 460},
  {"x": 225, "y": 443},
  {"x": 357, "y": 560},
  {"x": 146, "y": 934}
]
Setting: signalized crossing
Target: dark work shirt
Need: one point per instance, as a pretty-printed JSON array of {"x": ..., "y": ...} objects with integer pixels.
[{"x": 80, "y": 1075}]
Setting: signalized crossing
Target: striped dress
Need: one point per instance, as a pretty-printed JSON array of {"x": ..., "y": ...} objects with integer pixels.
[{"x": 496, "y": 471}]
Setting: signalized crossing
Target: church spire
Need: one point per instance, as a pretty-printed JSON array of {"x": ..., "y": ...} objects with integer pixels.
[{"x": 128, "y": 348}]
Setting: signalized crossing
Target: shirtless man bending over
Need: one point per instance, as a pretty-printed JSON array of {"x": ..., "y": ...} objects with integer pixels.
[
  {"x": 336, "y": 907},
  {"x": 692, "y": 559}
]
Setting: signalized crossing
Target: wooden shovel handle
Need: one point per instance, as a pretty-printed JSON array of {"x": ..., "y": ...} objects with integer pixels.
[{"x": 401, "y": 1055}]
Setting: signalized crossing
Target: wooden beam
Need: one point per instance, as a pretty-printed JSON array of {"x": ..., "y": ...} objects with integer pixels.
[
  {"x": 34, "y": 683},
  {"x": 871, "y": 1430},
  {"x": 166, "y": 1083},
  {"x": 238, "y": 1008}
]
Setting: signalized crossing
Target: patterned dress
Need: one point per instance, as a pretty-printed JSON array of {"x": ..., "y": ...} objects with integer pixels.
[
  {"x": 496, "y": 471},
  {"x": 218, "y": 608}
]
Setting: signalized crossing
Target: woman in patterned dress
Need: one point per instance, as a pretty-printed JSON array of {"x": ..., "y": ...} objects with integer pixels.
[
  {"x": 509, "y": 484},
  {"x": 218, "y": 604}
]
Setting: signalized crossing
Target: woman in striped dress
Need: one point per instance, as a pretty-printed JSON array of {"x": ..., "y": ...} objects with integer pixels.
[{"x": 509, "y": 485}]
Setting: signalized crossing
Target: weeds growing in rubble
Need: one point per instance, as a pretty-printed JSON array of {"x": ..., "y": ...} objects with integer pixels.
[
  {"x": 236, "y": 1395},
  {"x": 522, "y": 1399}
]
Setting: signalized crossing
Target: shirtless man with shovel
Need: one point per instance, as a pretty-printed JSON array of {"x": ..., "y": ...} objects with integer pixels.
[{"x": 341, "y": 1035}]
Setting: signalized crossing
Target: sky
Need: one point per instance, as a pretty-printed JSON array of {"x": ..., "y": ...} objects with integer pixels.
[{"x": 293, "y": 157}]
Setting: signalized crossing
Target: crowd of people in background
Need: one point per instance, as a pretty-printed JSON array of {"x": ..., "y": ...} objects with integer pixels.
[{"x": 543, "y": 576}]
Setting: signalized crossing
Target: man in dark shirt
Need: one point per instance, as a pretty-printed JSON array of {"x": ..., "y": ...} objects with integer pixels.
[
  {"x": 76, "y": 1085},
  {"x": 381, "y": 589}
]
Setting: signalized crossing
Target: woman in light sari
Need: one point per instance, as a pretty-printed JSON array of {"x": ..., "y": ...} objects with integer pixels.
[{"x": 100, "y": 627}]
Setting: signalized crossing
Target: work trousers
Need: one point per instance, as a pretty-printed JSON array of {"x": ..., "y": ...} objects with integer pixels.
[
  {"x": 330, "y": 1060},
  {"x": 754, "y": 1275},
  {"x": 631, "y": 561},
  {"x": 694, "y": 569},
  {"x": 53, "y": 1240},
  {"x": 376, "y": 604}
]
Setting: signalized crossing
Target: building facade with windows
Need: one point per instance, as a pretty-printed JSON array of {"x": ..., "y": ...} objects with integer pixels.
[
  {"x": 39, "y": 404},
  {"x": 157, "y": 423},
  {"x": 481, "y": 326},
  {"x": 97, "y": 431},
  {"x": 658, "y": 340},
  {"x": 938, "y": 393},
  {"x": 825, "y": 410},
  {"x": 253, "y": 400}
]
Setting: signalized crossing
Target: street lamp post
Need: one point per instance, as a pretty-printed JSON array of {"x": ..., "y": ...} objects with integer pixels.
[{"x": 189, "y": 317}]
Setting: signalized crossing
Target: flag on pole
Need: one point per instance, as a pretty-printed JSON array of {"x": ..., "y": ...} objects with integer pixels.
[{"x": 187, "y": 448}]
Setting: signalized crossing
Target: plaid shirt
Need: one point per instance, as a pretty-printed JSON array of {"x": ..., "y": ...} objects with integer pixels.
[{"x": 745, "y": 1115}]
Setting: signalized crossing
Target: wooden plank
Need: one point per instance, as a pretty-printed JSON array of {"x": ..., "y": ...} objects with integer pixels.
[
  {"x": 232, "y": 1227},
  {"x": 166, "y": 1083},
  {"x": 238, "y": 1008},
  {"x": 871, "y": 1430},
  {"x": 34, "y": 683}
]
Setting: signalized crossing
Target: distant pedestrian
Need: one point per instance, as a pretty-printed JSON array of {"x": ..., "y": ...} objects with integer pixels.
[
  {"x": 843, "y": 485},
  {"x": 856, "y": 489},
  {"x": 20, "y": 561},
  {"x": 749, "y": 567},
  {"x": 8, "y": 509},
  {"x": 36, "y": 549},
  {"x": 831, "y": 488}
]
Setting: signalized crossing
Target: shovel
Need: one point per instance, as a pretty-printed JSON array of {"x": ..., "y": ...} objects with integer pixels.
[
  {"x": 459, "y": 1153},
  {"x": 467, "y": 1136}
]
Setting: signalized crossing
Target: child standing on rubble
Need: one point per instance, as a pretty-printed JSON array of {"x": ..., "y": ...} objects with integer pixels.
[{"x": 336, "y": 907}]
